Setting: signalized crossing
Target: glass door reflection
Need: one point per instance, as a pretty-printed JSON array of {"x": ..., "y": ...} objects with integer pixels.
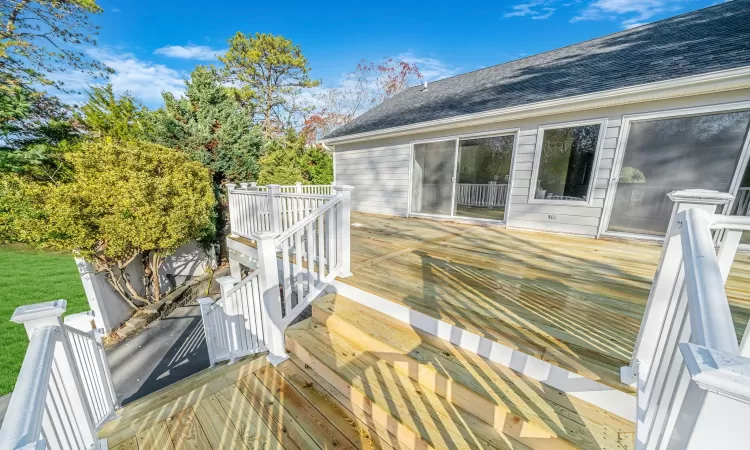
[{"x": 483, "y": 176}]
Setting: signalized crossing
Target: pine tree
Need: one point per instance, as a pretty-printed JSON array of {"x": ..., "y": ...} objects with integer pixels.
[{"x": 211, "y": 126}]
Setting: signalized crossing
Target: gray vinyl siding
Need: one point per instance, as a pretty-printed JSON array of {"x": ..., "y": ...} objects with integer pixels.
[
  {"x": 380, "y": 177},
  {"x": 574, "y": 219},
  {"x": 379, "y": 169}
]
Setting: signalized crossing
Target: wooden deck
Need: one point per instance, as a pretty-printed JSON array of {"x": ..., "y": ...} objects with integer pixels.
[
  {"x": 573, "y": 301},
  {"x": 247, "y": 405}
]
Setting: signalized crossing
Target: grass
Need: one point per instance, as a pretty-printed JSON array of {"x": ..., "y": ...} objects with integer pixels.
[{"x": 29, "y": 276}]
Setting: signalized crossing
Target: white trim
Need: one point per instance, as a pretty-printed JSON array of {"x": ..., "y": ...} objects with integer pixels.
[
  {"x": 594, "y": 169},
  {"x": 719, "y": 81},
  {"x": 627, "y": 121},
  {"x": 590, "y": 391}
]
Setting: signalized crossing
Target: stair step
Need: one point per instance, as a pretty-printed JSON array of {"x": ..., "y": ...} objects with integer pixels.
[
  {"x": 436, "y": 421},
  {"x": 524, "y": 408}
]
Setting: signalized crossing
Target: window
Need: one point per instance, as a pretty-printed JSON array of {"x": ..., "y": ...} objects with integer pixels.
[
  {"x": 566, "y": 163},
  {"x": 672, "y": 154}
]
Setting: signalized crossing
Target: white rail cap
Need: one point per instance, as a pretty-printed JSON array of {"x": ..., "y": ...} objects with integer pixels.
[
  {"x": 704, "y": 196},
  {"x": 36, "y": 311}
]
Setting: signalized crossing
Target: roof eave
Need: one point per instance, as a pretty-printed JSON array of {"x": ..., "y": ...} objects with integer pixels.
[{"x": 720, "y": 81}]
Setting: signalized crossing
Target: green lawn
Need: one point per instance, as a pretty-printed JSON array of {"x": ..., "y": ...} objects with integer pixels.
[{"x": 30, "y": 276}]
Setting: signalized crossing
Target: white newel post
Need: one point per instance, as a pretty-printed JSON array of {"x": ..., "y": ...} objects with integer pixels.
[
  {"x": 273, "y": 328},
  {"x": 34, "y": 317},
  {"x": 208, "y": 329},
  {"x": 232, "y": 210},
  {"x": 344, "y": 229},
  {"x": 233, "y": 314},
  {"x": 273, "y": 208},
  {"x": 668, "y": 273},
  {"x": 298, "y": 187}
]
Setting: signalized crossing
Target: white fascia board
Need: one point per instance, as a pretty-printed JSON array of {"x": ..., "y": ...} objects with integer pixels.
[{"x": 725, "y": 80}]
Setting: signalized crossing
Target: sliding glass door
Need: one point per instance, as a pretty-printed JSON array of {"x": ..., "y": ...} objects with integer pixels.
[
  {"x": 462, "y": 177},
  {"x": 669, "y": 154},
  {"x": 483, "y": 176},
  {"x": 432, "y": 178}
]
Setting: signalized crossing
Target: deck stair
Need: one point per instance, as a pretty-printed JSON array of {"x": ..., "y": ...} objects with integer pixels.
[{"x": 432, "y": 394}]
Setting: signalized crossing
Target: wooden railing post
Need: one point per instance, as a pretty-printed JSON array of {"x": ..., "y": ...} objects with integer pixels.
[
  {"x": 668, "y": 274},
  {"x": 273, "y": 327},
  {"x": 232, "y": 210},
  {"x": 48, "y": 314},
  {"x": 298, "y": 187},
  {"x": 273, "y": 208},
  {"x": 344, "y": 229}
]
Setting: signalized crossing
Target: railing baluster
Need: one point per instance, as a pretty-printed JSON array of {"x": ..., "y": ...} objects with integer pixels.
[
  {"x": 286, "y": 273},
  {"x": 298, "y": 265},
  {"x": 321, "y": 247}
]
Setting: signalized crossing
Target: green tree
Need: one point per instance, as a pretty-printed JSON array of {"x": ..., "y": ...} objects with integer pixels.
[
  {"x": 270, "y": 72},
  {"x": 210, "y": 125},
  {"x": 34, "y": 132},
  {"x": 288, "y": 160},
  {"x": 43, "y": 37},
  {"x": 126, "y": 200},
  {"x": 104, "y": 114}
]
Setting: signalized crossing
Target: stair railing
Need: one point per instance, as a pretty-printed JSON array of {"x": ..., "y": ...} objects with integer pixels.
[
  {"x": 692, "y": 376},
  {"x": 309, "y": 247},
  {"x": 64, "y": 391}
]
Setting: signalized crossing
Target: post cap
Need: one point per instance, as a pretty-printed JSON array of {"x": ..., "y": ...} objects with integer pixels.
[
  {"x": 266, "y": 235},
  {"x": 205, "y": 301},
  {"x": 226, "y": 280},
  {"x": 701, "y": 196},
  {"x": 253, "y": 183},
  {"x": 343, "y": 187},
  {"x": 273, "y": 187},
  {"x": 27, "y": 313},
  {"x": 83, "y": 321},
  {"x": 298, "y": 183},
  {"x": 230, "y": 186},
  {"x": 243, "y": 185}
]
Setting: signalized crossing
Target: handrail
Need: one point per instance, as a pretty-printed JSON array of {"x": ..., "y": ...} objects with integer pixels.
[
  {"x": 302, "y": 195},
  {"x": 731, "y": 222},
  {"x": 314, "y": 214},
  {"x": 710, "y": 317},
  {"x": 22, "y": 428},
  {"x": 239, "y": 285}
]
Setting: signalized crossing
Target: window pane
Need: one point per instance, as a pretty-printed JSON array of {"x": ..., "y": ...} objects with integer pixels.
[
  {"x": 742, "y": 203},
  {"x": 566, "y": 163},
  {"x": 432, "y": 177},
  {"x": 483, "y": 172},
  {"x": 665, "y": 155}
]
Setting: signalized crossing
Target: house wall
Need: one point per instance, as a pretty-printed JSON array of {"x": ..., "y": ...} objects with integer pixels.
[{"x": 379, "y": 168}]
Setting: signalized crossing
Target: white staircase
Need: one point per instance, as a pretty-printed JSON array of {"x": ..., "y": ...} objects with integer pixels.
[{"x": 298, "y": 239}]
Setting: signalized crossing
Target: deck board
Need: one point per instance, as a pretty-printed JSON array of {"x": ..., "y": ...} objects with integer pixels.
[{"x": 574, "y": 301}]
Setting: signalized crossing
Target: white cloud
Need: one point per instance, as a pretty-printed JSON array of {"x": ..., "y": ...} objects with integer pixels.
[
  {"x": 638, "y": 12},
  {"x": 537, "y": 10},
  {"x": 116, "y": 10},
  {"x": 190, "y": 51},
  {"x": 431, "y": 69},
  {"x": 145, "y": 80}
]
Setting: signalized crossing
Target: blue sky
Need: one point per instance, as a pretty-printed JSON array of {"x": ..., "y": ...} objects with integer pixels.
[{"x": 153, "y": 45}]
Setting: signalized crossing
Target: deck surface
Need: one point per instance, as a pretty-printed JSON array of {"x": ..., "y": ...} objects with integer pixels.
[
  {"x": 573, "y": 301},
  {"x": 248, "y": 405}
]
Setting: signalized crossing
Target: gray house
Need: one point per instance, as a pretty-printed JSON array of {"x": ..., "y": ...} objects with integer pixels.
[{"x": 587, "y": 139}]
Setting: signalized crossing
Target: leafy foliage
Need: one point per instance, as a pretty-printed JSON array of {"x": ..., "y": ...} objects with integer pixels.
[
  {"x": 125, "y": 199},
  {"x": 288, "y": 160},
  {"x": 210, "y": 126},
  {"x": 366, "y": 87},
  {"x": 38, "y": 38},
  {"x": 34, "y": 132},
  {"x": 104, "y": 114},
  {"x": 270, "y": 71}
]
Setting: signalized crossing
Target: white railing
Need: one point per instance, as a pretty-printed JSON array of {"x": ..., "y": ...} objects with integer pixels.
[
  {"x": 258, "y": 209},
  {"x": 309, "y": 248},
  {"x": 692, "y": 377},
  {"x": 742, "y": 202},
  {"x": 481, "y": 195},
  {"x": 234, "y": 324},
  {"x": 64, "y": 390}
]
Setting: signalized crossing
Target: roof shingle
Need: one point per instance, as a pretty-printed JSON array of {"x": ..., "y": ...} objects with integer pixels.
[{"x": 707, "y": 40}]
